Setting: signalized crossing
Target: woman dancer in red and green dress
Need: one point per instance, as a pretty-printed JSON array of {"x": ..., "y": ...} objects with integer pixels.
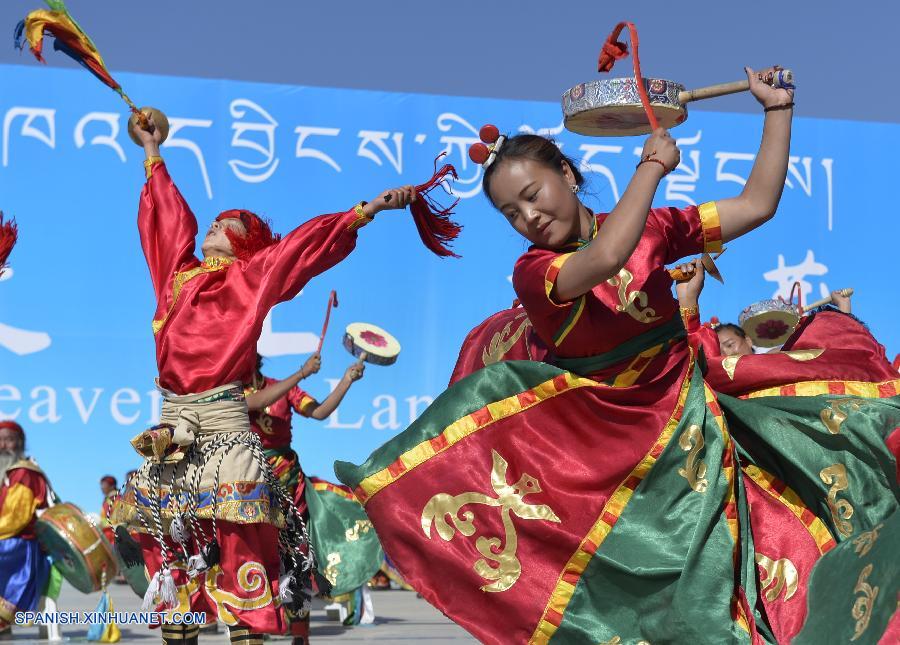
[{"x": 601, "y": 499}]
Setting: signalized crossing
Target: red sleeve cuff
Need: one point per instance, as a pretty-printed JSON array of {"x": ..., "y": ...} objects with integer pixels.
[{"x": 356, "y": 218}]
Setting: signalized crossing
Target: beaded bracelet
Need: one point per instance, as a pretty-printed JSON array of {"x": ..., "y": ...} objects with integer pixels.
[
  {"x": 773, "y": 108},
  {"x": 666, "y": 171}
]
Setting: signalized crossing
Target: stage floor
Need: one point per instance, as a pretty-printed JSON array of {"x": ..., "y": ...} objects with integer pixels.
[{"x": 400, "y": 616}]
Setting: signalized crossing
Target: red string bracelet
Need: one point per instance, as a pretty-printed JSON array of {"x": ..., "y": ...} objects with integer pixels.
[
  {"x": 666, "y": 171},
  {"x": 784, "y": 106}
]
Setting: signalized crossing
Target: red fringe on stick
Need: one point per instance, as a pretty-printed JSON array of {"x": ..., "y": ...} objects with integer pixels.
[
  {"x": 433, "y": 220},
  {"x": 8, "y": 234}
]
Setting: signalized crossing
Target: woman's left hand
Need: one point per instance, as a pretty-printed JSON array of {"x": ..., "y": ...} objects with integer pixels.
[
  {"x": 767, "y": 95},
  {"x": 689, "y": 291},
  {"x": 355, "y": 372}
]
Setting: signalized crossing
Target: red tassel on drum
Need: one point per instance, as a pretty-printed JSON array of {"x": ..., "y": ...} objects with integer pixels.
[
  {"x": 612, "y": 51},
  {"x": 433, "y": 220},
  {"x": 8, "y": 235}
]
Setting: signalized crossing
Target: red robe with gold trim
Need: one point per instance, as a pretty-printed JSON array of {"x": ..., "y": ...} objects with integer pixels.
[
  {"x": 826, "y": 346},
  {"x": 504, "y": 336},
  {"x": 602, "y": 499},
  {"x": 208, "y": 320},
  {"x": 209, "y": 314}
]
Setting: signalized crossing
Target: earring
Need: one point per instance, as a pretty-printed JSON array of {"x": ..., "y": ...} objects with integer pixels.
[{"x": 574, "y": 188}]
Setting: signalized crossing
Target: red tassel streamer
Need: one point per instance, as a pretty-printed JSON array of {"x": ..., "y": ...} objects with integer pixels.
[
  {"x": 8, "y": 234},
  {"x": 612, "y": 51},
  {"x": 433, "y": 220}
]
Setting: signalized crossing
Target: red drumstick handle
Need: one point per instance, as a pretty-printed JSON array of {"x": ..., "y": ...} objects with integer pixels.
[{"x": 332, "y": 302}]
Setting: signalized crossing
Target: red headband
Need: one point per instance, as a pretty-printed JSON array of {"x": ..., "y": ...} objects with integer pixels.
[
  {"x": 259, "y": 235},
  {"x": 109, "y": 479},
  {"x": 12, "y": 425}
]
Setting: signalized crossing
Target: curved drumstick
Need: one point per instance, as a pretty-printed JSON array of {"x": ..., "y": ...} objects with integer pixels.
[
  {"x": 332, "y": 301},
  {"x": 708, "y": 263},
  {"x": 782, "y": 78},
  {"x": 826, "y": 301}
]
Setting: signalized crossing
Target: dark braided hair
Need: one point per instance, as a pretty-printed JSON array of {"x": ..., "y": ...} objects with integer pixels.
[
  {"x": 834, "y": 309},
  {"x": 533, "y": 147}
]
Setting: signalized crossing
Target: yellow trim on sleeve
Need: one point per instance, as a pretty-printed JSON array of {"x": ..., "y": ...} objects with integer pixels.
[
  {"x": 712, "y": 227},
  {"x": 361, "y": 218},
  {"x": 307, "y": 405},
  {"x": 149, "y": 163},
  {"x": 550, "y": 277}
]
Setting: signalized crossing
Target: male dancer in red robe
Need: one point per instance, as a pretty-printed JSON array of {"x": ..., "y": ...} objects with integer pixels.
[{"x": 206, "y": 502}]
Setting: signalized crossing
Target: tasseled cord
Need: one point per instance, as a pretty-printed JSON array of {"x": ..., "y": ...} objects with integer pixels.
[
  {"x": 196, "y": 565},
  {"x": 162, "y": 586},
  {"x": 209, "y": 556},
  {"x": 285, "y": 588},
  {"x": 433, "y": 220},
  {"x": 8, "y": 236},
  {"x": 177, "y": 529}
]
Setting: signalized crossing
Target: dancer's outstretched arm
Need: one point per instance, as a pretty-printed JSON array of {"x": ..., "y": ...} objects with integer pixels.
[
  {"x": 758, "y": 201},
  {"x": 167, "y": 226},
  {"x": 260, "y": 399},
  {"x": 279, "y": 272}
]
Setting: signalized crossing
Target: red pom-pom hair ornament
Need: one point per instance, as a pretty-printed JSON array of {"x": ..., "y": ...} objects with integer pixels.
[
  {"x": 485, "y": 151},
  {"x": 713, "y": 323},
  {"x": 479, "y": 153},
  {"x": 489, "y": 133}
]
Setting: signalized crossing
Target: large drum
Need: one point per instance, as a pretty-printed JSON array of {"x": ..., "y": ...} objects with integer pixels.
[{"x": 77, "y": 547}]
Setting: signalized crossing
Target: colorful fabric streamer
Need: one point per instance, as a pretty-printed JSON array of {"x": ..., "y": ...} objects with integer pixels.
[
  {"x": 108, "y": 632},
  {"x": 70, "y": 39}
]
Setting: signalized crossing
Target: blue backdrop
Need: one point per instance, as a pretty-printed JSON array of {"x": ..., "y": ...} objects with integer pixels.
[{"x": 76, "y": 350}]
